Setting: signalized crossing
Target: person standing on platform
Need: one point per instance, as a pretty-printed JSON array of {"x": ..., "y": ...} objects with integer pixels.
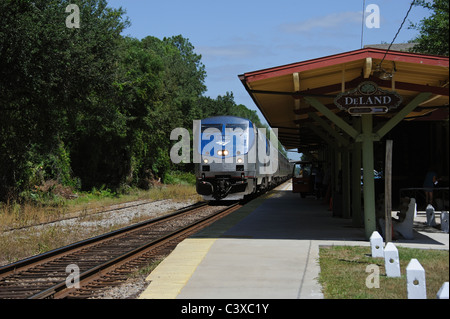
[{"x": 429, "y": 183}]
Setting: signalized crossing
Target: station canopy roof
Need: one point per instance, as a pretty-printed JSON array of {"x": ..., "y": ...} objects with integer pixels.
[{"x": 280, "y": 92}]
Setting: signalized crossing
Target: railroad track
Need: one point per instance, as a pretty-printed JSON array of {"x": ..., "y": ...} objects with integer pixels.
[
  {"x": 83, "y": 269},
  {"x": 89, "y": 212}
]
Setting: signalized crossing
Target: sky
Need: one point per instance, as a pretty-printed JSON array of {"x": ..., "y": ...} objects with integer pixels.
[{"x": 238, "y": 36}]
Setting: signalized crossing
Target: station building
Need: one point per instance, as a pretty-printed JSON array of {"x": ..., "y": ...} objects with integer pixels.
[
  {"x": 338, "y": 110},
  {"x": 341, "y": 109}
]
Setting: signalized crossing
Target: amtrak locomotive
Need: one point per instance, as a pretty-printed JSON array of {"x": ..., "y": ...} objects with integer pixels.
[{"x": 236, "y": 159}]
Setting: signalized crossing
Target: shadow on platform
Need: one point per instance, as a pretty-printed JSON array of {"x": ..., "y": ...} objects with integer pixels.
[{"x": 281, "y": 214}]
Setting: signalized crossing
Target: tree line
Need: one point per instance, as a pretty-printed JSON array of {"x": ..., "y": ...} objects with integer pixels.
[
  {"x": 433, "y": 30},
  {"x": 89, "y": 107}
]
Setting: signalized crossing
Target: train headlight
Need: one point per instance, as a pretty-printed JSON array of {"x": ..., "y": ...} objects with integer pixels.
[
  {"x": 239, "y": 160},
  {"x": 222, "y": 152},
  {"x": 205, "y": 160}
]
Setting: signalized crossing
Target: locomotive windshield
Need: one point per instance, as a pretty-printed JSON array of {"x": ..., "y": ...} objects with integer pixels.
[
  {"x": 237, "y": 128},
  {"x": 211, "y": 134},
  {"x": 229, "y": 139},
  {"x": 213, "y": 128},
  {"x": 238, "y": 135}
]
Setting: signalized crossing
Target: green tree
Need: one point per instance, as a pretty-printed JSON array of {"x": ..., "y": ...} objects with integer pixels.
[
  {"x": 159, "y": 84},
  {"x": 87, "y": 106},
  {"x": 434, "y": 30},
  {"x": 54, "y": 82}
]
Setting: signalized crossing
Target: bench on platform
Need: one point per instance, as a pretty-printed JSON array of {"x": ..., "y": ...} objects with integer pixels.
[{"x": 403, "y": 227}]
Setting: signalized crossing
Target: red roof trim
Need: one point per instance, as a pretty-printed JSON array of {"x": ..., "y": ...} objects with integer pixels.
[{"x": 345, "y": 57}]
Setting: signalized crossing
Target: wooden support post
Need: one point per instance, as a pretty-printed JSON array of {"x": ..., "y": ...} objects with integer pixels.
[
  {"x": 337, "y": 168},
  {"x": 346, "y": 183},
  {"x": 388, "y": 191},
  {"x": 357, "y": 219},
  {"x": 336, "y": 190},
  {"x": 368, "y": 182}
]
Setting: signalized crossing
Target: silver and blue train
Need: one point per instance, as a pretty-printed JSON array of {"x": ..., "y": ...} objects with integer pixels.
[{"x": 236, "y": 159}]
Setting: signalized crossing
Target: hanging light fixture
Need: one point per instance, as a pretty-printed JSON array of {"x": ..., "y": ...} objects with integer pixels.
[{"x": 383, "y": 74}]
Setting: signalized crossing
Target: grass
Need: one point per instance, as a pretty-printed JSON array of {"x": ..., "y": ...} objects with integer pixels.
[
  {"x": 36, "y": 240},
  {"x": 41, "y": 208},
  {"x": 144, "y": 271},
  {"x": 343, "y": 272}
]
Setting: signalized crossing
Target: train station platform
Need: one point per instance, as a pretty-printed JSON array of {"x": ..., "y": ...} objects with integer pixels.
[{"x": 268, "y": 249}]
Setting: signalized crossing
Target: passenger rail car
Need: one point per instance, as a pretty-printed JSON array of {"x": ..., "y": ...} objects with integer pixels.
[{"x": 236, "y": 159}]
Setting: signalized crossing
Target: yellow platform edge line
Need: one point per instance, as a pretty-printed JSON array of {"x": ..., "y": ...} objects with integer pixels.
[{"x": 172, "y": 274}]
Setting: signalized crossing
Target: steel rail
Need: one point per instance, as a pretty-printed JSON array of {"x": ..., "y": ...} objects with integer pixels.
[
  {"x": 32, "y": 261},
  {"x": 60, "y": 290}
]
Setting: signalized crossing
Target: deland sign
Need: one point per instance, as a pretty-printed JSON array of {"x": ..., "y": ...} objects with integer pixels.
[{"x": 368, "y": 98}]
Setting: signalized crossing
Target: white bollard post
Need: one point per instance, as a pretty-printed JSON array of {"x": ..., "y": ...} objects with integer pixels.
[
  {"x": 415, "y": 280},
  {"x": 391, "y": 261},
  {"x": 431, "y": 216},
  {"x": 443, "y": 292},
  {"x": 376, "y": 244},
  {"x": 444, "y": 222}
]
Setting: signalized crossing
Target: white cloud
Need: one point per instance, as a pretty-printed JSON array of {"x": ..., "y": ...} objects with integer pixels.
[
  {"x": 331, "y": 21},
  {"x": 231, "y": 51},
  {"x": 237, "y": 54}
]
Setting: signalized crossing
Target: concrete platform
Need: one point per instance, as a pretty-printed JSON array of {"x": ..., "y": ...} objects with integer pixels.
[{"x": 268, "y": 249}]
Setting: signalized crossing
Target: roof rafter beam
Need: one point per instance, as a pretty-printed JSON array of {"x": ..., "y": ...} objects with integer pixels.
[
  {"x": 326, "y": 89},
  {"x": 440, "y": 90},
  {"x": 321, "y": 134},
  {"x": 411, "y": 86},
  {"x": 296, "y": 78},
  {"x": 329, "y": 129},
  {"x": 289, "y": 138},
  {"x": 333, "y": 117},
  {"x": 308, "y": 110},
  {"x": 421, "y": 97},
  {"x": 367, "y": 67}
]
